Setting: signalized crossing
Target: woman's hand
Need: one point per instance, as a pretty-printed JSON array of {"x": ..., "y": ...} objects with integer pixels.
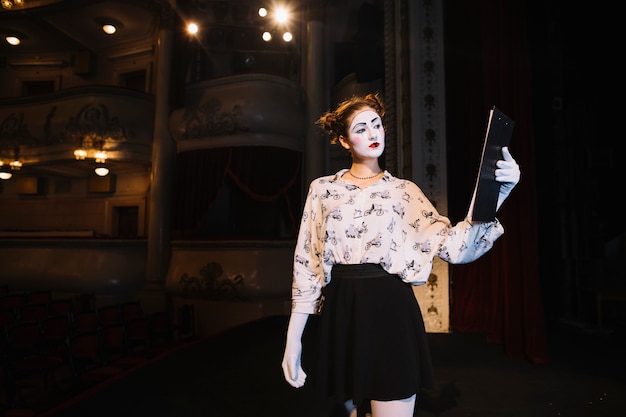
[
  {"x": 507, "y": 174},
  {"x": 292, "y": 367}
]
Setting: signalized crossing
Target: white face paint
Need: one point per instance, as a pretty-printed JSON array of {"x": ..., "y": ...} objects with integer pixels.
[{"x": 367, "y": 135}]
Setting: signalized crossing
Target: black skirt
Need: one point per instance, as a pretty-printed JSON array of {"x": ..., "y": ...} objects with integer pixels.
[{"x": 372, "y": 341}]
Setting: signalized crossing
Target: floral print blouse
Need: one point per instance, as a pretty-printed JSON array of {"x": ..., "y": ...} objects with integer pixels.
[{"x": 391, "y": 223}]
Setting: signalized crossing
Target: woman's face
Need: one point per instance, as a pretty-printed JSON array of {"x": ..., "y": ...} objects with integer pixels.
[{"x": 366, "y": 135}]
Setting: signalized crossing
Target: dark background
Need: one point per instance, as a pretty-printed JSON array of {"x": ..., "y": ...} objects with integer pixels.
[{"x": 576, "y": 129}]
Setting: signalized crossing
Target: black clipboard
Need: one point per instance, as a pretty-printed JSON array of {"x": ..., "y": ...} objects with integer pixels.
[{"x": 485, "y": 197}]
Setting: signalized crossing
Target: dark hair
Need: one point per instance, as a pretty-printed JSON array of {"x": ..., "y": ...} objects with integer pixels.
[{"x": 336, "y": 122}]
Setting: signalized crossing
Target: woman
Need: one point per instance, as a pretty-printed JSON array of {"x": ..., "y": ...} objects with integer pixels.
[{"x": 365, "y": 238}]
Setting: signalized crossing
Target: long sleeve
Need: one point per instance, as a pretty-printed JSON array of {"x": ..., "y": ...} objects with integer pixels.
[{"x": 308, "y": 272}]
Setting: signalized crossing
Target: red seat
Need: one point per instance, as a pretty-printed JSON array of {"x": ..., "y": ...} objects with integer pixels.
[
  {"x": 12, "y": 300},
  {"x": 56, "y": 332},
  {"x": 116, "y": 349},
  {"x": 28, "y": 363},
  {"x": 60, "y": 306},
  {"x": 32, "y": 312},
  {"x": 8, "y": 317},
  {"x": 85, "y": 302},
  {"x": 138, "y": 337},
  {"x": 131, "y": 310},
  {"x": 4, "y": 289},
  {"x": 110, "y": 314},
  {"x": 38, "y": 297},
  {"x": 84, "y": 321},
  {"x": 88, "y": 363}
]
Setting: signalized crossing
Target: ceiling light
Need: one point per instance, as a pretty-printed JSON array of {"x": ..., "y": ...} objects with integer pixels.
[
  {"x": 108, "y": 24},
  {"x": 287, "y": 36},
  {"x": 101, "y": 170},
  {"x": 262, "y": 11},
  {"x": 267, "y": 36},
  {"x": 5, "y": 172},
  {"x": 109, "y": 28},
  {"x": 12, "y": 40},
  {"x": 192, "y": 28},
  {"x": 281, "y": 15}
]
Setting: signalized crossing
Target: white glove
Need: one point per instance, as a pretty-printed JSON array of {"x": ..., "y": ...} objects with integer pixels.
[
  {"x": 507, "y": 174},
  {"x": 292, "y": 368}
]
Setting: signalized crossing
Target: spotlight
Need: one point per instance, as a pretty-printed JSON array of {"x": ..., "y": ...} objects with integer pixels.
[
  {"x": 192, "y": 28},
  {"x": 281, "y": 15}
]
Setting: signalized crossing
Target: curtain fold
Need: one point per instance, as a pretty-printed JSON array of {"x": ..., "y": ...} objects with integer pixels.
[
  {"x": 198, "y": 181},
  {"x": 255, "y": 174},
  {"x": 500, "y": 294},
  {"x": 263, "y": 174}
]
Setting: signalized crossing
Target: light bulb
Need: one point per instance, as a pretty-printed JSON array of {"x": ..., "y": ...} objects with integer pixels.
[
  {"x": 101, "y": 171},
  {"x": 101, "y": 156},
  {"x": 13, "y": 40},
  {"x": 109, "y": 29},
  {"x": 80, "y": 154}
]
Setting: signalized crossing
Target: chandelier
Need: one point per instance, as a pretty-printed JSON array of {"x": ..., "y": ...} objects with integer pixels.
[{"x": 8, "y": 4}]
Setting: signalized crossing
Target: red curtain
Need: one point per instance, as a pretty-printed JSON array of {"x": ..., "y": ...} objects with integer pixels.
[
  {"x": 500, "y": 294},
  {"x": 264, "y": 174}
]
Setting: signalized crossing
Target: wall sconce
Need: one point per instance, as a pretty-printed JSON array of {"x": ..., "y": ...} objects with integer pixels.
[
  {"x": 101, "y": 157},
  {"x": 16, "y": 164},
  {"x": 6, "y": 171},
  {"x": 80, "y": 154},
  {"x": 8, "y": 4}
]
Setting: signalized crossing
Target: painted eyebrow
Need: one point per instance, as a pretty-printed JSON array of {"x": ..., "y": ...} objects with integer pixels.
[{"x": 363, "y": 123}]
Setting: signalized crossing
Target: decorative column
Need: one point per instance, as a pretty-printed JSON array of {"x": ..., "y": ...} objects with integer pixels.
[
  {"x": 316, "y": 89},
  {"x": 428, "y": 141},
  {"x": 163, "y": 159}
]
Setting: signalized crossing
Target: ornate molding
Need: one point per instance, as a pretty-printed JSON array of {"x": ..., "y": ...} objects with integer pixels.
[
  {"x": 209, "y": 119},
  {"x": 49, "y": 128}
]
